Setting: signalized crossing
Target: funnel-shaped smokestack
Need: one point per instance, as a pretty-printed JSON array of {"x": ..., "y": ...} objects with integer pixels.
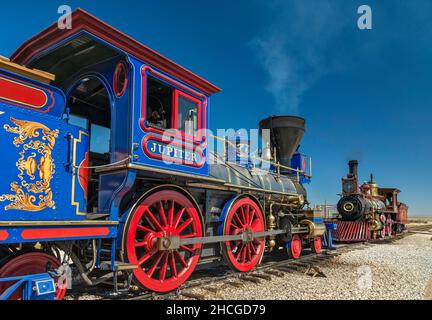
[
  {"x": 286, "y": 132},
  {"x": 353, "y": 168}
]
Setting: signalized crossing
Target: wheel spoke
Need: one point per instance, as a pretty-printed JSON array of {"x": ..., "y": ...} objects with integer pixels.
[
  {"x": 184, "y": 225},
  {"x": 248, "y": 220},
  {"x": 145, "y": 258},
  {"x": 173, "y": 267},
  {"x": 254, "y": 250},
  {"x": 239, "y": 251},
  {"x": 171, "y": 213},
  {"x": 255, "y": 225},
  {"x": 243, "y": 216},
  {"x": 243, "y": 254},
  {"x": 233, "y": 226},
  {"x": 252, "y": 216},
  {"x": 249, "y": 254},
  {"x": 187, "y": 236},
  {"x": 145, "y": 229},
  {"x": 186, "y": 248},
  {"x": 236, "y": 217},
  {"x": 256, "y": 242},
  {"x": 164, "y": 267},
  {"x": 155, "y": 264},
  {"x": 153, "y": 220},
  {"x": 178, "y": 217},
  {"x": 180, "y": 257},
  {"x": 140, "y": 244},
  {"x": 162, "y": 214}
]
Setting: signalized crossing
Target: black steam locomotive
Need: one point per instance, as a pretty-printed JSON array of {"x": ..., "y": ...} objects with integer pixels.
[{"x": 368, "y": 211}]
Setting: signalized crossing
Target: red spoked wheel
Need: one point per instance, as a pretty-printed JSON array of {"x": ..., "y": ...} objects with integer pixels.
[
  {"x": 295, "y": 246},
  {"x": 27, "y": 264},
  {"x": 162, "y": 215},
  {"x": 316, "y": 245},
  {"x": 244, "y": 216}
]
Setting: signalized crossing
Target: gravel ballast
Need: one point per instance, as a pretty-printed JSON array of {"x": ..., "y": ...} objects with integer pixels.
[{"x": 397, "y": 270}]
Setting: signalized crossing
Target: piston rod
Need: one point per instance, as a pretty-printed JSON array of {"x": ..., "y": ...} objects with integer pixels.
[{"x": 175, "y": 242}]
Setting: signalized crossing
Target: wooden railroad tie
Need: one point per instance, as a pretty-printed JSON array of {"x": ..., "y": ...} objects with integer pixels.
[
  {"x": 236, "y": 284},
  {"x": 192, "y": 295},
  {"x": 212, "y": 289},
  {"x": 275, "y": 273},
  {"x": 288, "y": 269},
  {"x": 314, "y": 271},
  {"x": 262, "y": 276},
  {"x": 251, "y": 278}
]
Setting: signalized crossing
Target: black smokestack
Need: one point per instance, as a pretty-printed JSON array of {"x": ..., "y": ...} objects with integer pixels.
[
  {"x": 286, "y": 134},
  {"x": 353, "y": 168}
]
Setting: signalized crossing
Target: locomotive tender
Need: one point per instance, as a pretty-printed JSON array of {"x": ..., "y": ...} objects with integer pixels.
[
  {"x": 88, "y": 176},
  {"x": 367, "y": 211}
]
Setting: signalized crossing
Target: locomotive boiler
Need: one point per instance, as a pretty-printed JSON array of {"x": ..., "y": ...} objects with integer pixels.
[
  {"x": 106, "y": 170},
  {"x": 368, "y": 211}
]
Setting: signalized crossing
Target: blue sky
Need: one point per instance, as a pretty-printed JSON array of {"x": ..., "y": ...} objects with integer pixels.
[{"x": 365, "y": 94}]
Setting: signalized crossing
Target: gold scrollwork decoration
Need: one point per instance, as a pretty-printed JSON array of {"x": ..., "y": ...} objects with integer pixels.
[{"x": 36, "y": 166}]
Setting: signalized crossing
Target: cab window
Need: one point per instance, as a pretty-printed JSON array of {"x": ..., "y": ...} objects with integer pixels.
[
  {"x": 170, "y": 108},
  {"x": 159, "y": 104},
  {"x": 187, "y": 114},
  {"x": 100, "y": 139}
]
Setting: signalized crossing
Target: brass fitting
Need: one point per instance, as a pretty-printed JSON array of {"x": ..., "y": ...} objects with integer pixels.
[
  {"x": 271, "y": 224},
  {"x": 315, "y": 229}
]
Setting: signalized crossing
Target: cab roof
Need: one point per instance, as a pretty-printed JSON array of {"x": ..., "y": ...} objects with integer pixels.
[{"x": 85, "y": 22}]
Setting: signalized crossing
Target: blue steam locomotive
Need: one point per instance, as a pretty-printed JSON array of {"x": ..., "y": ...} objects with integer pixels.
[{"x": 105, "y": 170}]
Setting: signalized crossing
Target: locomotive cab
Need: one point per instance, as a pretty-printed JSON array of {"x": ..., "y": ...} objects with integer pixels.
[{"x": 94, "y": 77}]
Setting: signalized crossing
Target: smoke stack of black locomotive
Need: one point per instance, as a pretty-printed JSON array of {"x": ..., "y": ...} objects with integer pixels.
[
  {"x": 286, "y": 133},
  {"x": 353, "y": 168}
]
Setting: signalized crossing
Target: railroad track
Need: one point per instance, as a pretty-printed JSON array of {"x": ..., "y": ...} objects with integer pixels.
[
  {"x": 220, "y": 277},
  {"x": 422, "y": 229}
]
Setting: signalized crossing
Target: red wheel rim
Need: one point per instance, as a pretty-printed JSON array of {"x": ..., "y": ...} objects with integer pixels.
[
  {"x": 295, "y": 248},
  {"x": 244, "y": 215},
  {"x": 317, "y": 245},
  {"x": 165, "y": 212},
  {"x": 26, "y": 264}
]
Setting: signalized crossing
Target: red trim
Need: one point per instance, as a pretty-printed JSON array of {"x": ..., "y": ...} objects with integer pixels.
[
  {"x": 121, "y": 66},
  {"x": 83, "y": 175},
  {"x": 25, "y": 95},
  {"x": 83, "y": 21},
  {"x": 4, "y": 235},
  {"x": 34, "y": 234},
  {"x": 180, "y": 144},
  {"x": 190, "y": 93}
]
